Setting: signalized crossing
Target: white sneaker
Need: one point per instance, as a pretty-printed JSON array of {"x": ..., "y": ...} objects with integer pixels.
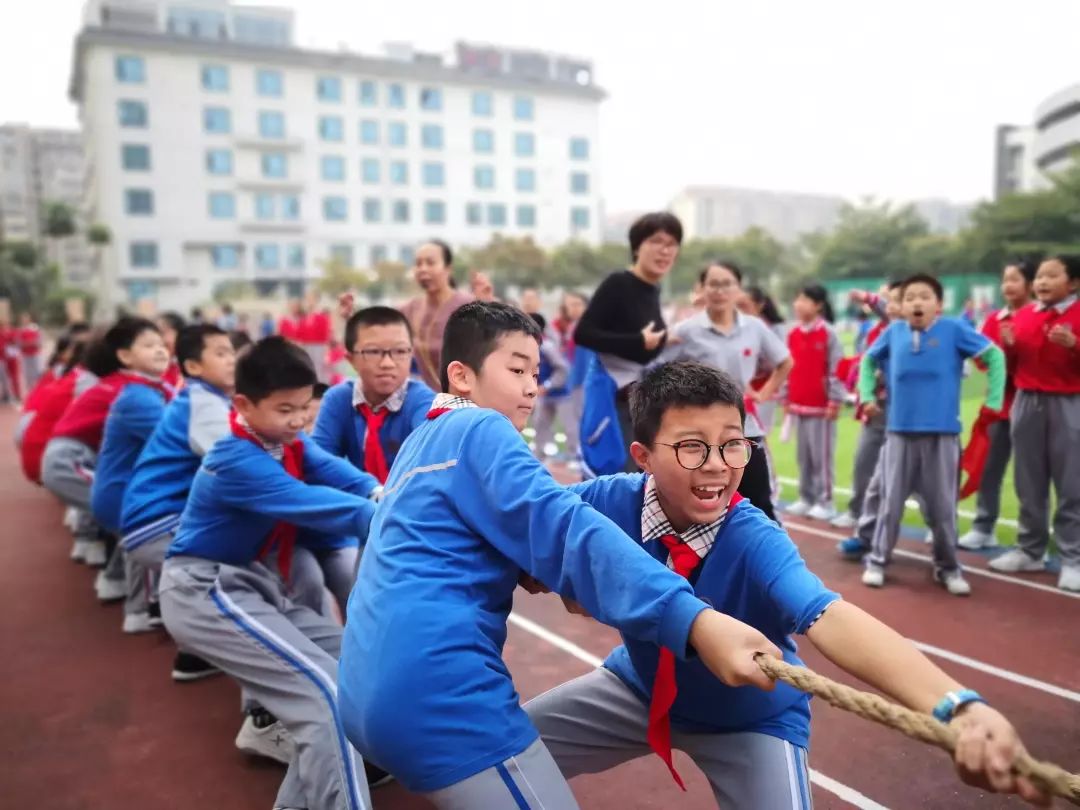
[
  {"x": 798, "y": 509},
  {"x": 821, "y": 512},
  {"x": 139, "y": 623},
  {"x": 71, "y": 518},
  {"x": 873, "y": 576},
  {"x": 109, "y": 590},
  {"x": 1015, "y": 561},
  {"x": 843, "y": 521},
  {"x": 928, "y": 538},
  {"x": 975, "y": 540},
  {"x": 95, "y": 553},
  {"x": 954, "y": 582},
  {"x": 1069, "y": 580},
  {"x": 272, "y": 741},
  {"x": 79, "y": 549}
]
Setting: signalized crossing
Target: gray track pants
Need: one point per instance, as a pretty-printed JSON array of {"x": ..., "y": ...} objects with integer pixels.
[
  {"x": 284, "y": 656},
  {"x": 596, "y": 722},
  {"x": 1046, "y": 438},
  {"x": 867, "y": 453},
  {"x": 815, "y": 448},
  {"x": 988, "y": 498},
  {"x": 67, "y": 471}
]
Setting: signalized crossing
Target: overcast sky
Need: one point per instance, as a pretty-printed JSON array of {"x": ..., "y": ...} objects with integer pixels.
[{"x": 852, "y": 97}]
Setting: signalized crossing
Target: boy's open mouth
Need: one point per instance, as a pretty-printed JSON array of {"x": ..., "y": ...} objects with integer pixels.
[{"x": 708, "y": 494}]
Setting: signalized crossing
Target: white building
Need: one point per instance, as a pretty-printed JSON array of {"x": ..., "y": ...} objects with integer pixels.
[
  {"x": 37, "y": 167},
  {"x": 720, "y": 212},
  {"x": 218, "y": 151},
  {"x": 1027, "y": 155}
]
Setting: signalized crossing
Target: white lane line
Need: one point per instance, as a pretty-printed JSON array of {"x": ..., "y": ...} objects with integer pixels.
[
  {"x": 914, "y": 555},
  {"x": 848, "y": 794},
  {"x": 911, "y": 504}
]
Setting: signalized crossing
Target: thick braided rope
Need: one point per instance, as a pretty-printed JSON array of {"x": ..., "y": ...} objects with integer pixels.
[{"x": 913, "y": 724}]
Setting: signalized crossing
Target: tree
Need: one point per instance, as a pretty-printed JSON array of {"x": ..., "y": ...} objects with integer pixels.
[
  {"x": 98, "y": 235},
  {"x": 59, "y": 220},
  {"x": 511, "y": 261},
  {"x": 577, "y": 264},
  {"x": 389, "y": 280},
  {"x": 762, "y": 258},
  {"x": 339, "y": 277},
  {"x": 872, "y": 240}
]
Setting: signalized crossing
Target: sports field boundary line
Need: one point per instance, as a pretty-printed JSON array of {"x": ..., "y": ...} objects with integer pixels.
[{"x": 827, "y": 783}]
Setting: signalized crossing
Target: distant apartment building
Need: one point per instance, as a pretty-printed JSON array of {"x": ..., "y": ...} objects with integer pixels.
[
  {"x": 722, "y": 212},
  {"x": 1025, "y": 155},
  {"x": 219, "y": 151},
  {"x": 38, "y": 167}
]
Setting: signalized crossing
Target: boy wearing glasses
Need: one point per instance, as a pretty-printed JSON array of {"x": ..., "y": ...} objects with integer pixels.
[
  {"x": 366, "y": 419},
  {"x": 685, "y": 512}
]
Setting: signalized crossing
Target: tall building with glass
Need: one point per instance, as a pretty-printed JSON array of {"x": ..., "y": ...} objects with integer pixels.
[{"x": 218, "y": 151}]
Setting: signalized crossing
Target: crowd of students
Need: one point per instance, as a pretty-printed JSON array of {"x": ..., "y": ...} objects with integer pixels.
[{"x": 349, "y": 555}]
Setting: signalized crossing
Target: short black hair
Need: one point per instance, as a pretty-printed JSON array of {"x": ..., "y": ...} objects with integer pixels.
[
  {"x": 730, "y": 266},
  {"x": 539, "y": 320},
  {"x": 318, "y": 391},
  {"x": 373, "y": 316},
  {"x": 928, "y": 280},
  {"x": 191, "y": 340},
  {"x": 895, "y": 284},
  {"x": 820, "y": 296},
  {"x": 770, "y": 313},
  {"x": 648, "y": 224},
  {"x": 684, "y": 384},
  {"x": 1027, "y": 266},
  {"x": 473, "y": 332},
  {"x": 273, "y": 364},
  {"x": 1071, "y": 262},
  {"x": 124, "y": 333},
  {"x": 239, "y": 339},
  {"x": 175, "y": 320}
]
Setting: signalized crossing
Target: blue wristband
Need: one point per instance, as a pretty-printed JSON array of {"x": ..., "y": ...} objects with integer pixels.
[{"x": 946, "y": 710}]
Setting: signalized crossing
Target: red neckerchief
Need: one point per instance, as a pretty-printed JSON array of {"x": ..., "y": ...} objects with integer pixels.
[
  {"x": 158, "y": 385},
  {"x": 684, "y": 560},
  {"x": 283, "y": 535},
  {"x": 374, "y": 458}
]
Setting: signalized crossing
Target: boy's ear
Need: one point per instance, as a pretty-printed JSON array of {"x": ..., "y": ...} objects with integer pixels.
[
  {"x": 641, "y": 455},
  {"x": 193, "y": 369},
  {"x": 243, "y": 405},
  {"x": 461, "y": 377}
]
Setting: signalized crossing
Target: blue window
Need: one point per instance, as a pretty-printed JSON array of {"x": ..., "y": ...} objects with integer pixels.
[
  {"x": 397, "y": 134},
  {"x": 431, "y": 136},
  {"x": 474, "y": 213},
  {"x": 225, "y": 257},
  {"x": 434, "y": 212},
  {"x": 221, "y": 204},
  {"x": 434, "y": 175},
  {"x": 335, "y": 209},
  {"x": 139, "y": 201},
  {"x": 331, "y": 128},
  {"x": 370, "y": 170},
  {"x": 135, "y": 157},
  {"x": 328, "y": 88},
  {"x": 261, "y": 30},
  {"x": 267, "y": 256},
  {"x": 369, "y": 132},
  {"x": 217, "y": 119},
  {"x": 372, "y": 210},
  {"x": 484, "y": 177},
  {"x": 526, "y": 216},
  {"x": 369, "y": 93},
  {"x": 275, "y": 164},
  {"x": 196, "y": 22},
  {"x": 219, "y": 161},
  {"x": 523, "y": 108},
  {"x": 294, "y": 256},
  {"x": 133, "y": 114},
  {"x": 271, "y": 124},
  {"x": 483, "y": 141},
  {"x": 400, "y": 210},
  {"x": 430, "y": 98},
  {"x": 290, "y": 207},
  {"x": 524, "y": 144},
  {"x": 332, "y": 167},
  {"x": 496, "y": 214},
  {"x": 378, "y": 254},
  {"x": 407, "y": 254},
  {"x": 143, "y": 254},
  {"x": 579, "y": 148},
  {"x": 269, "y": 83},
  {"x": 399, "y": 172},
  {"x": 579, "y": 218},
  {"x": 483, "y": 103},
  {"x": 395, "y": 96},
  {"x": 265, "y": 206},
  {"x": 579, "y": 183},
  {"x": 525, "y": 180},
  {"x": 215, "y": 78},
  {"x": 130, "y": 69}
]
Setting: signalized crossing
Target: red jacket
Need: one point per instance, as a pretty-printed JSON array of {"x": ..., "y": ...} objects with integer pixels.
[
  {"x": 811, "y": 386},
  {"x": 50, "y": 403},
  {"x": 84, "y": 420},
  {"x": 30, "y": 340},
  {"x": 1040, "y": 364}
]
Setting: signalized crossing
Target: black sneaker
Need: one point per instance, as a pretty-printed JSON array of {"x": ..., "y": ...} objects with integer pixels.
[
  {"x": 188, "y": 667},
  {"x": 154, "y": 611},
  {"x": 376, "y": 776}
]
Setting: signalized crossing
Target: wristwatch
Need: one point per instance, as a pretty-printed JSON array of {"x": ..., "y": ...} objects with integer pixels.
[{"x": 946, "y": 710}]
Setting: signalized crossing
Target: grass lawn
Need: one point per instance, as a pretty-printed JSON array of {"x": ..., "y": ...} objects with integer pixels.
[{"x": 974, "y": 390}]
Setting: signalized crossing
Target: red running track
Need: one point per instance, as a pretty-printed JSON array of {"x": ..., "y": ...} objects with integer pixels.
[{"x": 91, "y": 719}]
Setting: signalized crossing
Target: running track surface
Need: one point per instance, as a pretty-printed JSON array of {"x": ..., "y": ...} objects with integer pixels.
[{"x": 91, "y": 718}]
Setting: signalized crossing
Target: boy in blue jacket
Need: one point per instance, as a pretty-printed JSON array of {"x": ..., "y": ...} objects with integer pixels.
[
  {"x": 366, "y": 420},
  {"x": 685, "y": 511},
  {"x": 467, "y": 511},
  {"x": 223, "y": 594}
]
